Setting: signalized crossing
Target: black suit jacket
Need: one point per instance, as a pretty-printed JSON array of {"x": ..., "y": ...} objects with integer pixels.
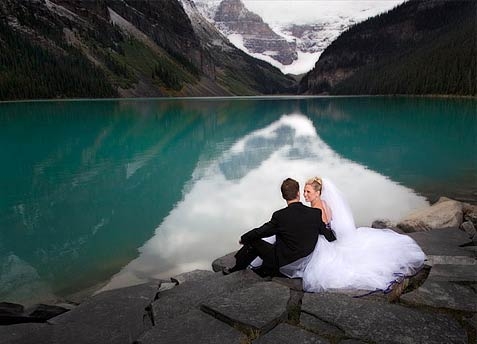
[{"x": 296, "y": 228}]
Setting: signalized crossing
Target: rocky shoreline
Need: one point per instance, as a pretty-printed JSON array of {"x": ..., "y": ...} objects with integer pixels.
[{"x": 437, "y": 305}]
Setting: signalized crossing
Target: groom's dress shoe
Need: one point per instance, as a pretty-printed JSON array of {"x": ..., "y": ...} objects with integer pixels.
[{"x": 261, "y": 271}]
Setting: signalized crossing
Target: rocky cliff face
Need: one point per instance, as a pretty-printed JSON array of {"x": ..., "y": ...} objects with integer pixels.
[
  {"x": 132, "y": 47},
  {"x": 232, "y": 17},
  {"x": 417, "y": 48},
  {"x": 310, "y": 38}
]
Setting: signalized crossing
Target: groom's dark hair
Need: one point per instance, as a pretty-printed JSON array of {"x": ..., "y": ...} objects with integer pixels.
[{"x": 290, "y": 189}]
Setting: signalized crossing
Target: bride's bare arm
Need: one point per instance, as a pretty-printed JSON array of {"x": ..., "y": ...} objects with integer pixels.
[{"x": 327, "y": 215}]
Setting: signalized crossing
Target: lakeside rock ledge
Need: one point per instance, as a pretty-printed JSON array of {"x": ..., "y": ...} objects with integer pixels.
[{"x": 437, "y": 305}]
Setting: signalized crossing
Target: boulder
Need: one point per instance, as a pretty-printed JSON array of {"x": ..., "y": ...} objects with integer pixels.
[
  {"x": 285, "y": 333},
  {"x": 442, "y": 295},
  {"x": 383, "y": 224},
  {"x": 194, "y": 327},
  {"x": 194, "y": 275},
  {"x": 225, "y": 261},
  {"x": 192, "y": 293},
  {"x": 445, "y": 246},
  {"x": 461, "y": 274},
  {"x": 380, "y": 322},
  {"x": 470, "y": 213},
  {"x": 446, "y": 213},
  {"x": 316, "y": 325},
  {"x": 292, "y": 283},
  {"x": 11, "y": 308},
  {"x": 469, "y": 228},
  {"x": 38, "y": 333},
  {"x": 256, "y": 309},
  {"x": 12, "y": 313},
  {"x": 113, "y": 316},
  {"x": 448, "y": 286}
]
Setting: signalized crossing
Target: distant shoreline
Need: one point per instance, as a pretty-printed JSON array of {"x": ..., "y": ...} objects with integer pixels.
[{"x": 305, "y": 96}]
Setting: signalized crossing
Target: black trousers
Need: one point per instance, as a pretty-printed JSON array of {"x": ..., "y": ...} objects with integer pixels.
[{"x": 259, "y": 248}]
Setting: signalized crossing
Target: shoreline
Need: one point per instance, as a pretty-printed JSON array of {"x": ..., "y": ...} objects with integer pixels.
[
  {"x": 291, "y": 96},
  {"x": 83, "y": 294},
  {"x": 466, "y": 196},
  {"x": 90, "y": 291}
]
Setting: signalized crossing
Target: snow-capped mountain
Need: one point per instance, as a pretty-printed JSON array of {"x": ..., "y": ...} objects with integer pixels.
[
  {"x": 292, "y": 34},
  {"x": 233, "y": 18}
]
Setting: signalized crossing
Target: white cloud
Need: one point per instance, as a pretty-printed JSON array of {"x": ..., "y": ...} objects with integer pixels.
[{"x": 315, "y": 11}]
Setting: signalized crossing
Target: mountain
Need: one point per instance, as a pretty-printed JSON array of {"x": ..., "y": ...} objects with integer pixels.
[
  {"x": 231, "y": 17},
  {"x": 292, "y": 34},
  {"x": 126, "y": 48},
  {"x": 149, "y": 48},
  {"x": 420, "y": 47},
  {"x": 285, "y": 47}
]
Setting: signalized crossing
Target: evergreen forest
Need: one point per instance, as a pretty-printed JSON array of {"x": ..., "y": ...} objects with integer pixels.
[{"x": 28, "y": 71}]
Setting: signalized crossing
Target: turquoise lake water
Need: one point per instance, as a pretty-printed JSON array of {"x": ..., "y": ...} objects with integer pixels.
[{"x": 132, "y": 190}]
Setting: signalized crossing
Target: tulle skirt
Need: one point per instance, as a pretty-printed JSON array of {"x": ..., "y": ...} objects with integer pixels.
[{"x": 367, "y": 259}]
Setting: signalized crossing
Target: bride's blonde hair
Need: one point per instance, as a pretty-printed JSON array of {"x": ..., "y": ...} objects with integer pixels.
[{"x": 316, "y": 183}]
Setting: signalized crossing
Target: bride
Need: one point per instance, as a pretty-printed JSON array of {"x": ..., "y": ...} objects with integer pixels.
[{"x": 361, "y": 258}]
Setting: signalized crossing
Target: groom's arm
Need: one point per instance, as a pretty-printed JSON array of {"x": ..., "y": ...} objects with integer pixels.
[
  {"x": 324, "y": 230},
  {"x": 266, "y": 230},
  {"x": 328, "y": 233}
]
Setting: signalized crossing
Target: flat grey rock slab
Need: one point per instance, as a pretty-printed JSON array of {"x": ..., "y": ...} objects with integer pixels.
[
  {"x": 443, "y": 294},
  {"x": 472, "y": 321},
  {"x": 78, "y": 333},
  {"x": 194, "y": 327},
  {"x": 72, "y": 333},
  {"x": 292, "y": 283},
  {"x": 118, "y": 315},
  {"x": 453, "y": 273},
  {"x": 288, "y": 334},
  {"x": 26, "y": 334},
  {"x": 472, "y": 249},
  {"x": 442, "y": 246},
  {"x": 255, "y": 309},
  {"x": 312, "y": 323},
  {"x": 226, "y": 261},
  {"x": 192, "y": 293},
  {"x": 195, "y": 275},
  {"x": 360, "y": 293},
  {"x": 379, "y": 322}
]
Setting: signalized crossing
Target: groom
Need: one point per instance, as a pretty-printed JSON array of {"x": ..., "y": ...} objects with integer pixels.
[{"x": 296, "y": 228}]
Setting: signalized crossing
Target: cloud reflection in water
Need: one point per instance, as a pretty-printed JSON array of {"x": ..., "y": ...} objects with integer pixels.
[{"x": 240, "y": 190}]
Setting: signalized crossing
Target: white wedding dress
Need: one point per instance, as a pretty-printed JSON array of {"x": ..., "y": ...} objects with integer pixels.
[{"x": 361, "y": 258}]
